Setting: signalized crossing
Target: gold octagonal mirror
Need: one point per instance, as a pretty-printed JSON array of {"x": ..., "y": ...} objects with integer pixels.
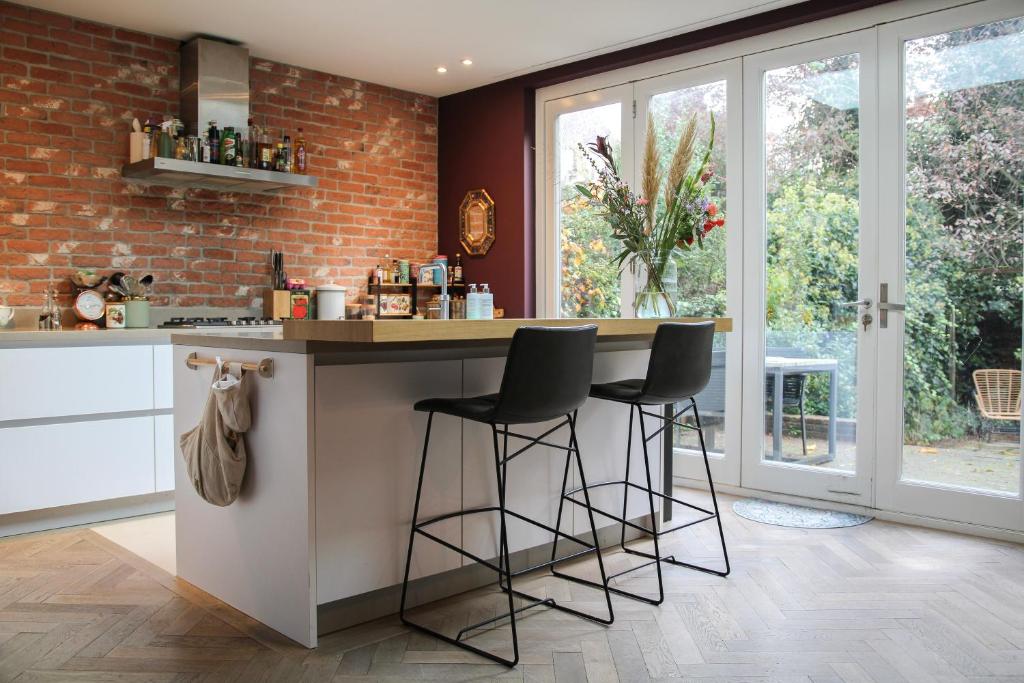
[{"x": 476, "y": 222}]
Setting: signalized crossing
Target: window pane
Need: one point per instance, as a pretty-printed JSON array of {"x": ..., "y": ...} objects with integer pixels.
[
  {"x": 699, "y": 284},
  {"x": 812, "y": 262},
  {"x": 965, "y": 172},
  {"x": 589, "y": 281}
]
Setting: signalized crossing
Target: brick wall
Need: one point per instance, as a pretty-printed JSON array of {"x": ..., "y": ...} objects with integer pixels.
[{"x": 69, "y": 90}]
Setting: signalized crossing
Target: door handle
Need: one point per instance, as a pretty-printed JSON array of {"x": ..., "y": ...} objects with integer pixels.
[
  {"x": 884, "y": 306},
  {"x": 866, "y": 303}
]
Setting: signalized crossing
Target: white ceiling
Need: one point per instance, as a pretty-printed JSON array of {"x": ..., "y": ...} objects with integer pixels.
[{"x": 401, "y": 43}]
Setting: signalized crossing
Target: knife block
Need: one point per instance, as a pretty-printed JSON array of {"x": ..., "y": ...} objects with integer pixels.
[{"x": 277, "y": 304}]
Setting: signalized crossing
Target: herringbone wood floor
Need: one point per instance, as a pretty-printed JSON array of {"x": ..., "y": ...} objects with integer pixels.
[{"x": 880, "y": 602}]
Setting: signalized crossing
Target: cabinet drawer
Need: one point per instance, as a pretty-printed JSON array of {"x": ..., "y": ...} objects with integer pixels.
[
  {"x": 62, "y": 464},
  {"x": 50, "y": 382}
]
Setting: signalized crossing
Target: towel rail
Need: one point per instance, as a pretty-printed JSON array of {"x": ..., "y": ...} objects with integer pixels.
[{"x": 265, "y": 367}]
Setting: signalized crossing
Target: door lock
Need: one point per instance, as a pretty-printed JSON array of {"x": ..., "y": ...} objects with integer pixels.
[
  {"x": 866, "y": 320},
  {"x": 884, "y": 306}
]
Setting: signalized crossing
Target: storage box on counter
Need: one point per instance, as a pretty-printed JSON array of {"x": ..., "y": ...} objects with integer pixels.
[{"x": 279, "y": 304}]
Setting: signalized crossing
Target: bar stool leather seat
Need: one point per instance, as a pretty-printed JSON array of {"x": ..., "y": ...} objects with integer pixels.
[
  {"x": 478, "y": 408},
  {"x": 627, "y": 391}
]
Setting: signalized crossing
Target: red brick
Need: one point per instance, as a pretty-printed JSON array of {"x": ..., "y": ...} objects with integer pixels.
[{"x": 66, "y": 128}]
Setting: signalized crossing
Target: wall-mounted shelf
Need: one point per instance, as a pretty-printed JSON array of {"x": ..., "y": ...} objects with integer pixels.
[{"x": 179, "y": 173}]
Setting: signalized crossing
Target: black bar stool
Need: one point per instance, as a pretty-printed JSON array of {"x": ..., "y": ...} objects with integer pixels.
[
  {"x": 547, "y": 377},
  {"x": 678, "y": 370}
]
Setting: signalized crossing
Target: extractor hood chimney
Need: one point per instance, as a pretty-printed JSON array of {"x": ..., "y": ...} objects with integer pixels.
[{"x": 214, "y": 84}]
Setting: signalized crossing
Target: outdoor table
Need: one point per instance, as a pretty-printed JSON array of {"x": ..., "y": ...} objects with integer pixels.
[{"x": 779, "y": 367}]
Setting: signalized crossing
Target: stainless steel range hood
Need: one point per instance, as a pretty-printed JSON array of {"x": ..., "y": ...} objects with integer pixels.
[{"x": 214, "y": 87}]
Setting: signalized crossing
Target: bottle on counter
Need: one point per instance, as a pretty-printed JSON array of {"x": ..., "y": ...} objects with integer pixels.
[
  {"x": 239, "y": 149},
  {"x": 300, "y": 153},
  {"x": 486, "y": 303},
  {"x": 213, "y": 139},
  {"x": 472, "y": 303}
]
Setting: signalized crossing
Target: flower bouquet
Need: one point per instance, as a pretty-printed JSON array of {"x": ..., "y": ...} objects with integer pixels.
[{"x": 671, "y": 213}]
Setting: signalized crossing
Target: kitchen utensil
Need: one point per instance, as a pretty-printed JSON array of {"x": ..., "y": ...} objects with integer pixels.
[
  {"x": 115, "y": 278},
  {"x": 146, "y": 281}
]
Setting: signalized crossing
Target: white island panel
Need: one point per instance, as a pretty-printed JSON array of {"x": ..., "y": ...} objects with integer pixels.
[
  {"x": 257, "y": 553},
  {"x": 368, "y": 446}
]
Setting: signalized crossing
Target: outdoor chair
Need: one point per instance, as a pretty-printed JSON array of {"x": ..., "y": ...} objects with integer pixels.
[{"x": 997, "y": 393}]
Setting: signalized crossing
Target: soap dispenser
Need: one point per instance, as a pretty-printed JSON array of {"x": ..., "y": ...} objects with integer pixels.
[
  {"x": 485, "y": 304},
  {"x": 472, "y": 304}
]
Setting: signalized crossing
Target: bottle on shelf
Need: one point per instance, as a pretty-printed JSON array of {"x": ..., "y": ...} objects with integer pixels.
[
  {"x": 239, "y": 149},
  {"x": 279, "y": 157},
  {"x": 300, "y": 153},
  {"x": 457, "y": 275},
  {"x": 396, "y": 272},
  {"x": 252, "y": 156},
  {"x": 287, "y": 141},
  {"x": 214, "y": 140},
  {"x": 227, "y": 146},
  {"x": 266, "y": 153},
  {"x": 204, "y": 147},
  {"x": 379, "y": 274}
]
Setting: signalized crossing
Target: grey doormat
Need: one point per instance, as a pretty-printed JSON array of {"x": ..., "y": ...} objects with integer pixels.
[{"x": 784, "y": 514}]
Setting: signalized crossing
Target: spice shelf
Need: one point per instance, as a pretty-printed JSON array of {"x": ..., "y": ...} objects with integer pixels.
[{"x": 180, "y": 173}]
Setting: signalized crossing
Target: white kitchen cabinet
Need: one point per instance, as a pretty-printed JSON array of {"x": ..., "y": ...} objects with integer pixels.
[
  {"x": 74, "y": 380},
  {"x": 45, "y": 466},
  {"x": 163, "y": 377},
  {"x": 164, "y": 448}
]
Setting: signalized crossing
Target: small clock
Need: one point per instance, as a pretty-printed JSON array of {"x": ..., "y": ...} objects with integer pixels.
[{"x": 89, "y": 305}]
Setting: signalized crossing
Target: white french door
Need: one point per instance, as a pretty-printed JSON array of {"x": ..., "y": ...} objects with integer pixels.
[
  {"x": 859, "y": 173},
  {"x": 951, "y": 213},
  {"x": 810, "y": 207}
]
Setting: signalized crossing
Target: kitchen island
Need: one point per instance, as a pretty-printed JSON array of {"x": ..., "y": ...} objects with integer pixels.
[{"x": 317, "y": 539}]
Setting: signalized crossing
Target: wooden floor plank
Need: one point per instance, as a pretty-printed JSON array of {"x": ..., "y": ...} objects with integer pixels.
[{"x": 880, "y": 602}]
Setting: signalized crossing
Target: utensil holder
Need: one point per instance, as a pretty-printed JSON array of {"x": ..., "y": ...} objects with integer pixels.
[{"x": 136, "y": 313}]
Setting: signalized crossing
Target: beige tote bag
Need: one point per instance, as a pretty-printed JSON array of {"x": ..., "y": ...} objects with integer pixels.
[{"x": 214, "y": 451}]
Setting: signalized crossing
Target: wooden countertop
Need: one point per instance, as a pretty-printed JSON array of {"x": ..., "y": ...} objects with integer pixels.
[{"x": 426, "y": 331}]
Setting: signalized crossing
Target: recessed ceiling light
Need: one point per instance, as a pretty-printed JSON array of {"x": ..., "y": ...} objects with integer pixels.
[
  {"x": 442, "y": 70},
  {"x": 467, "y": 62}
]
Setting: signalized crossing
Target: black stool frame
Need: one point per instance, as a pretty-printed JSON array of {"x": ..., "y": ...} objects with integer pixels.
[
  {"x": 503, "y": 568},
  {"x": 655, "y": 533}
]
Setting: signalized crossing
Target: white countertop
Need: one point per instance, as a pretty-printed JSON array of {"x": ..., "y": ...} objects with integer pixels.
[{"x": 20, "y": 338}]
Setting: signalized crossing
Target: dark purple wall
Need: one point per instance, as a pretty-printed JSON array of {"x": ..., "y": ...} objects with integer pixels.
[
  {"x": 490, "y": 147},
  {"x": 485, "y": 139}
]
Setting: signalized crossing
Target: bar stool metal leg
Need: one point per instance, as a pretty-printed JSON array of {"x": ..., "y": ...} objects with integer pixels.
[
  {"x": 503, "y": 566},
  {"x": 656, "y": 558}
]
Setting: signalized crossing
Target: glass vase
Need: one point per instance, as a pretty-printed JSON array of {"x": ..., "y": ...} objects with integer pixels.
[{"x": 656, "y": 298}]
